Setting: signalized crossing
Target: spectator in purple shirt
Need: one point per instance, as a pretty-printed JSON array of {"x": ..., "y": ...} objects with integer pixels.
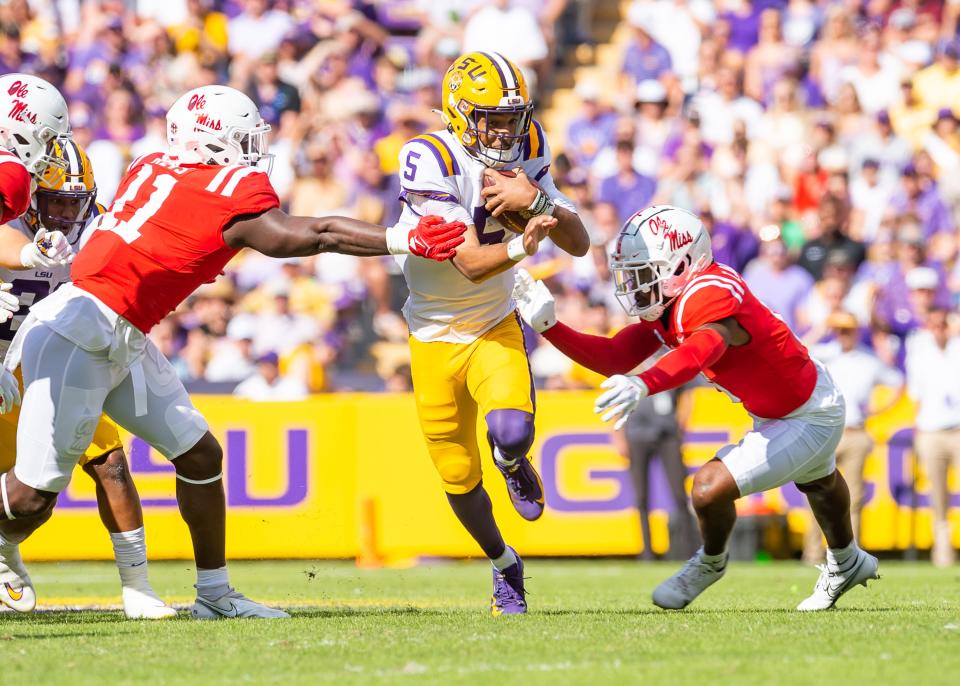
[
  {"x": 919, "y": 196},
  {"x": 733, "y": 244},
  {"x": 593, "y": 129},
  {"x": 644, "y": 57},
  {"x": 893, "y": 306},
  {"x": 781, "y": 285},
  {"x": 743, "y": 18},
  {"x": 627, "y": 190},
  {"x": 272, "y": 96}
]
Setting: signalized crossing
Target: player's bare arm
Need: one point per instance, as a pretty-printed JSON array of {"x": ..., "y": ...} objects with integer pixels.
[
  {"x": 12, "y": 242},
  {"x": 730, "y": 331},
  {"x": 480, "y": 262},
  {"x": 277, "y": 234},
  {"x": 516, "y": 193}
]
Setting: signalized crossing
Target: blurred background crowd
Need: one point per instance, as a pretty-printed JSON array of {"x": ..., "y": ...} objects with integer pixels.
[{"x": 817, "y": 138}]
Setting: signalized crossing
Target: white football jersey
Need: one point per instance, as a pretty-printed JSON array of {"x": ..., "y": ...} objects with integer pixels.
[
  {"x": 437, "y": 176},
  {"x": 33, "y": 285}
]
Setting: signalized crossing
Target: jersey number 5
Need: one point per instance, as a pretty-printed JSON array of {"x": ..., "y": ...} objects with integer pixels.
[{"x": 129, "y": 229}]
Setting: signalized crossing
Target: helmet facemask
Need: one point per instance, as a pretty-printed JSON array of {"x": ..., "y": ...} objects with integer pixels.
[
  {"x": 66, "y": 211},
  {"x": 37, "y": 154},
  {"x": 240, "y": 145},
  {"x": 645, "y": 289},
  {"x": 510, "y": 146},
  {"x": 639, "y": 288}
]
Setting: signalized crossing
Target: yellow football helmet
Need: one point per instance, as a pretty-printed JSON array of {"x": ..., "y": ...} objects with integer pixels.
[
  {"x": 476, "y": 86},
  {"x": 66, "y": 193}
]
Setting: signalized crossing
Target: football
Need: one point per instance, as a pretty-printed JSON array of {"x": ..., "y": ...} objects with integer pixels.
[{"x": 511, "y": 220}]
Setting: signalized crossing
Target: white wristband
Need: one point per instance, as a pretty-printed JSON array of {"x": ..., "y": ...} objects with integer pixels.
[
  {"x": 515, "y": 249},
  {"x": 398, "y": 240}
]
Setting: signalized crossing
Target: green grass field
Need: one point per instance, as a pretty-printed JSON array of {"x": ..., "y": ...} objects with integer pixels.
[{"x": 591, "y": 623}]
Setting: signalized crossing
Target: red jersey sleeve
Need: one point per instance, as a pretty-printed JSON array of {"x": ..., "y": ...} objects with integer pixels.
[
  {"x": 707, "y": 299},
  {"x": 15, "y": 187},
  {"x": 252, "y": 194},
  {"x": 608, "y": 356}
]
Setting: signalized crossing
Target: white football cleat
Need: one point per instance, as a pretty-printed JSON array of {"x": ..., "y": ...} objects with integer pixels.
[
  {"x": 16, "y": 589},
  {"x": 695, "y": 577},
  {"x": 145, "y": 604},
  {"x": 833, "y": 583},
  {"x": 233, "y": 605}
]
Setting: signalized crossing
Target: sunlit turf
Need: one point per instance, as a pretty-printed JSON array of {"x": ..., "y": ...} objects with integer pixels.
[{"x": 591, "y": 622}]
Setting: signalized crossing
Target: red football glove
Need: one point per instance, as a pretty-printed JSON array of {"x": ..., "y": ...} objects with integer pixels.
[{"x": 435, "y": 239}]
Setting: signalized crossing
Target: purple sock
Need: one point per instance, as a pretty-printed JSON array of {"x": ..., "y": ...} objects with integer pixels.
[{"x": 475, "y": 512}]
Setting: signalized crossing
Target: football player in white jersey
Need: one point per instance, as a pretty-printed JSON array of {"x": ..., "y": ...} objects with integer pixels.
[
  {"x": 467, "y": 351},
  {"x": 65, "y": 202},
  {"x": 33, "y": 115}
]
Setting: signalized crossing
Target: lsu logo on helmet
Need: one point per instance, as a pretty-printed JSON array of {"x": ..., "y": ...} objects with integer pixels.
[{"x": 479, "y": 85}]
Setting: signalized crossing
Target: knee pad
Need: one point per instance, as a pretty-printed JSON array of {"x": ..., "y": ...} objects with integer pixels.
[
  {"x": 459, "y": 474},
  {"x": 511, "y": 431}
]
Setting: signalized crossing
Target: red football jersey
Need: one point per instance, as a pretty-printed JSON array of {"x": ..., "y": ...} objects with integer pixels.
[
  {"x": 163, "y": 235},
  {"x": 773, "y": 374},
  {"x": 15, "y": 187}
]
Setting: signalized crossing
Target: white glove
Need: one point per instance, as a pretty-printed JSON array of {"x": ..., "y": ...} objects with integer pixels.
[
  {"x": 9, "y": 391},
  {"x": 534, "y": 301},
  {"x": 624, "y": 393},
  {"x": 9, "y": 303},
  {"x": 49, "y": 249}
]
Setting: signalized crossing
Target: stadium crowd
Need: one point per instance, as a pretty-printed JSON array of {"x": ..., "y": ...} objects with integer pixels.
[{"x": 816, "y": 138}]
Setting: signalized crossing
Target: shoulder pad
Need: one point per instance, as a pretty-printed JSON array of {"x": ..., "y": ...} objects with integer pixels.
[
  {"x": 707, "y": 298},
  {"x": 439, "y": 150}
]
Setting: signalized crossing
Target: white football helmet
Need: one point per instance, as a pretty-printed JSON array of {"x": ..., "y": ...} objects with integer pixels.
[
  {"x": 659, "y": 251},
  {"x": 33, "y": 115},
  {"x": 217, "y": 125}
]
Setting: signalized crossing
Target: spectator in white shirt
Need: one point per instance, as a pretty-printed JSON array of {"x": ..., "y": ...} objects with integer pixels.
[
  {"x": 283, "y": 329},
  {"x": 267, "y": 383},
  {"x": 258, "y": 30},
  {"x": 513, "y": 31},
  {"x": 933, "y": 381},
  {"x": 857, "y": 372}
]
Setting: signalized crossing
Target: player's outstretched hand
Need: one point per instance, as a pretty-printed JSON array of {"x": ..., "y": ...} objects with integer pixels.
[
  {"x": 534, "y": 301},
  {"x": 621, "y": 398},
  {"x": 9, "y": 303},
  {"x": 49, "y": 249},
  {"x": 9, "y": 391},
  {"x": 435, "y": 239},
  {"x": 538, "y": 228}
]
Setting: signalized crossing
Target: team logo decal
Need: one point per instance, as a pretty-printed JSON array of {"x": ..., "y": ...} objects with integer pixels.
[
  {"x": 19, "y": 109},
  {"x": 657, "y": 225},
  {"x": 197, "y": 102},
  {"x": 209, "y": 122},
  {"x": 677, "y": 239},
  {"x": 456, "y": 80}
]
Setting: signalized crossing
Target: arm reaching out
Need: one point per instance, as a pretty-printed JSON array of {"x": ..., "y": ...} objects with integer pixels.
[
  {"x": 277, "y": 234},
  {"x": 617, "y": 355}
]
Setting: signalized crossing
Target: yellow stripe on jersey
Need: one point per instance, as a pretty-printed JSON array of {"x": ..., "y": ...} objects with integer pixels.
[{"x": 441, "y": 152}]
